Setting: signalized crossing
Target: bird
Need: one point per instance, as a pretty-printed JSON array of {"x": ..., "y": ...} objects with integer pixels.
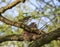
[{"x": 34, "y": 26}]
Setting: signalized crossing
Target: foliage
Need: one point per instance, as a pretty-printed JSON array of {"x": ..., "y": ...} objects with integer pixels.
[{"x": 47, "y": 11}]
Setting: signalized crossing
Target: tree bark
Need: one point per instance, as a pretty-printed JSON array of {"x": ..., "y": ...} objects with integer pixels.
[
  {"x": 46, "y": 38},
  {"x": 3, "y": 9},
  {"x": 43, "y": 39}
]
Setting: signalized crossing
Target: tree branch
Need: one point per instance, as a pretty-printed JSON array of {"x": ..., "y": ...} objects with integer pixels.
[
  {"x": 3, "y": 9},
  {"x": 43, "y": 39},
  {"x": 13, "y": 37},
  {"x": 46, "y": 38},
  {"x": 19, "y": 37},
  {"x": 20, "y": 25}
]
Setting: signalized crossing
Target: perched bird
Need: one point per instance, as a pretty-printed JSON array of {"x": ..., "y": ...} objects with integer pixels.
[{"x": 34, "y": 26}]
